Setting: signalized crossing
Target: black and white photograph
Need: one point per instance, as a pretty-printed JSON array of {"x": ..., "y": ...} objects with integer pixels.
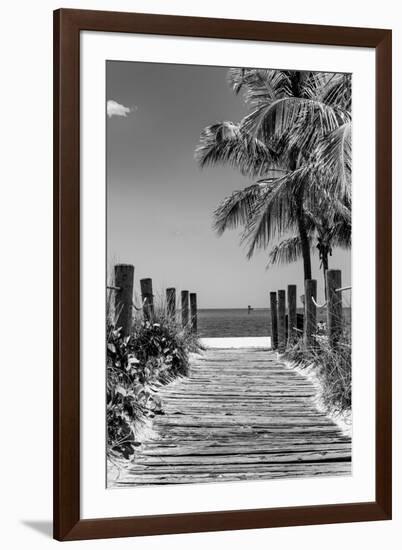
[
  {"x": 228, "y": 299},
  {"x": 199, "y": 329}
]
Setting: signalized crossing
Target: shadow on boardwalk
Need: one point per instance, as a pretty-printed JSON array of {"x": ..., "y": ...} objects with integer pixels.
[{"x": 240, "y": 415}]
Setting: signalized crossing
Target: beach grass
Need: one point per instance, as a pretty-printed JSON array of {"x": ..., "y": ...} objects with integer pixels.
[{"x": 332, "y": 366}]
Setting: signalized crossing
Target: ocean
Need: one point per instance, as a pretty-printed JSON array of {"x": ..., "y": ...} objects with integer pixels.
[{"x": 220, "y": 323}]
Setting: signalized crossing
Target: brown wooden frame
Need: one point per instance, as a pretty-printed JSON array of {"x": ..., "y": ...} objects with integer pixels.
[{"x": 67, "y": 26}]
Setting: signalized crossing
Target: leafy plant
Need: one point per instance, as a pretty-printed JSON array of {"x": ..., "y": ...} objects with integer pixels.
[
  {"x": 163, "y": 346},
  {"x": 155, "y": 353}
]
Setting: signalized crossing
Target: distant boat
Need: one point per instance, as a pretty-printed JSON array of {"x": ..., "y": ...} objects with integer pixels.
[{"x": 249, "y": 308}]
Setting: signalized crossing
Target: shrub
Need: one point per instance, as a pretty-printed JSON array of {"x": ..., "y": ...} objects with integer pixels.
[
  {"x": 155, "y": 353},
  {"x": 129, "y": 399},
  {"x": 164, "y": 345}
]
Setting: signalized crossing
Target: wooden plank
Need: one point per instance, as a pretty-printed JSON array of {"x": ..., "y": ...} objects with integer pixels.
[
  {"x": 217, "y": 429},
  {"x": 246, "y": 458},
  {"x": 206, "y": 476},
  {"x": 206, "y": 448}
]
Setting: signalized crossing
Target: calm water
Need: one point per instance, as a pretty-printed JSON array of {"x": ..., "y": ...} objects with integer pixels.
[{"x": 238, "y": 322}]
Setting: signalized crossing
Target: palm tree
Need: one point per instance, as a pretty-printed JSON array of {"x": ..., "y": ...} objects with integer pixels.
[
  {"x": 291, "y": 113},
  {"x": 329, "y": 216},
  {"x": 329, "y": 227}
]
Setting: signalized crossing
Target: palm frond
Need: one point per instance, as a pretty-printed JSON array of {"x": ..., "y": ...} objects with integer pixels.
[
  {"x": 343, "y": 225},
  {"x": 311, "y": 83},
  {"x": 343, "y": 236},
  {"x": 259, "y": 85},
  {"x": 237, "y": 209},
  {"x": 292, "y": 115},
  {"x": 321, "y": 202},
  {"x": 274, "y": 213},
  {"x": 237, "y": 79},
  {"x": 226, "y": 143},
  {"x": 338, "y": 91},
  {"x": 333, "y": 158},
  {"x": 287, "y": 251}
]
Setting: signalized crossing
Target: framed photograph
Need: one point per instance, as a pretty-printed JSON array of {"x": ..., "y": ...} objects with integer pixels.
[{"x": 222, "y": 274}]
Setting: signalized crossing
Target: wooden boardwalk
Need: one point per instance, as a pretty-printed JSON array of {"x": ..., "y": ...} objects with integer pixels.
[{"x": 240, "y": 415}]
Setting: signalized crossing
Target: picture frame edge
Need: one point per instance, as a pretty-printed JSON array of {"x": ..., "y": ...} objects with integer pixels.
[
  {"x": 229, "y": 520},
  {"x": 66, "y": 231}
]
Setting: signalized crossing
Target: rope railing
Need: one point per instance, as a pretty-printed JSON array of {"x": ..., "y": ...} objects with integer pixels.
[
  {"x": 283, "y": 326},
  {"x": 126, "y": 302},
  {"x": 137, "y": 308},
  {"x": 342, "y": 289},
  {"x": 317, "y": 304}
]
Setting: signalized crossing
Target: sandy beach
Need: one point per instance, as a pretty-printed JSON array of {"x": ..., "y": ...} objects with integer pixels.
[{"x": 235, "y": 343}]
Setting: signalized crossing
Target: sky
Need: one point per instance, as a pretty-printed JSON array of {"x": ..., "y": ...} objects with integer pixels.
[{"x": 160, "y": 204}]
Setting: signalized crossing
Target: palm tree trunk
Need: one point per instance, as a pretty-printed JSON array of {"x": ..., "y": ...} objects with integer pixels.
[
  {"x": 325, "y": 269},
  {"x": 324, "y": 250},
  {"x": 301, "y": 221},
  {"x": 305, "y": 244}
]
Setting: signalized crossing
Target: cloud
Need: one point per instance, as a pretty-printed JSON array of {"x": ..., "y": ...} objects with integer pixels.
[{"x": 116, "y": 109}]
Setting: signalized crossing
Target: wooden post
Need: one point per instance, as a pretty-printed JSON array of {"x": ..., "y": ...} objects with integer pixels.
[
  {"x": 147, "y": 298},
  {"x": 184, "y": 308},
  {"x": 300, "y": 322},
  {"x": 193, "y": 311},
  {"x": 123, "y": 300},
  {"x": 286, "y": 327},
  {"x": 171, "y": 303},
  {"x": 292, "y": 313},
  {"x": 274, "y": 320},
  {"x": 334, "y": 306},
  {"x": 310, "y": 313},
  {"x": 281, "y": 321}
]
